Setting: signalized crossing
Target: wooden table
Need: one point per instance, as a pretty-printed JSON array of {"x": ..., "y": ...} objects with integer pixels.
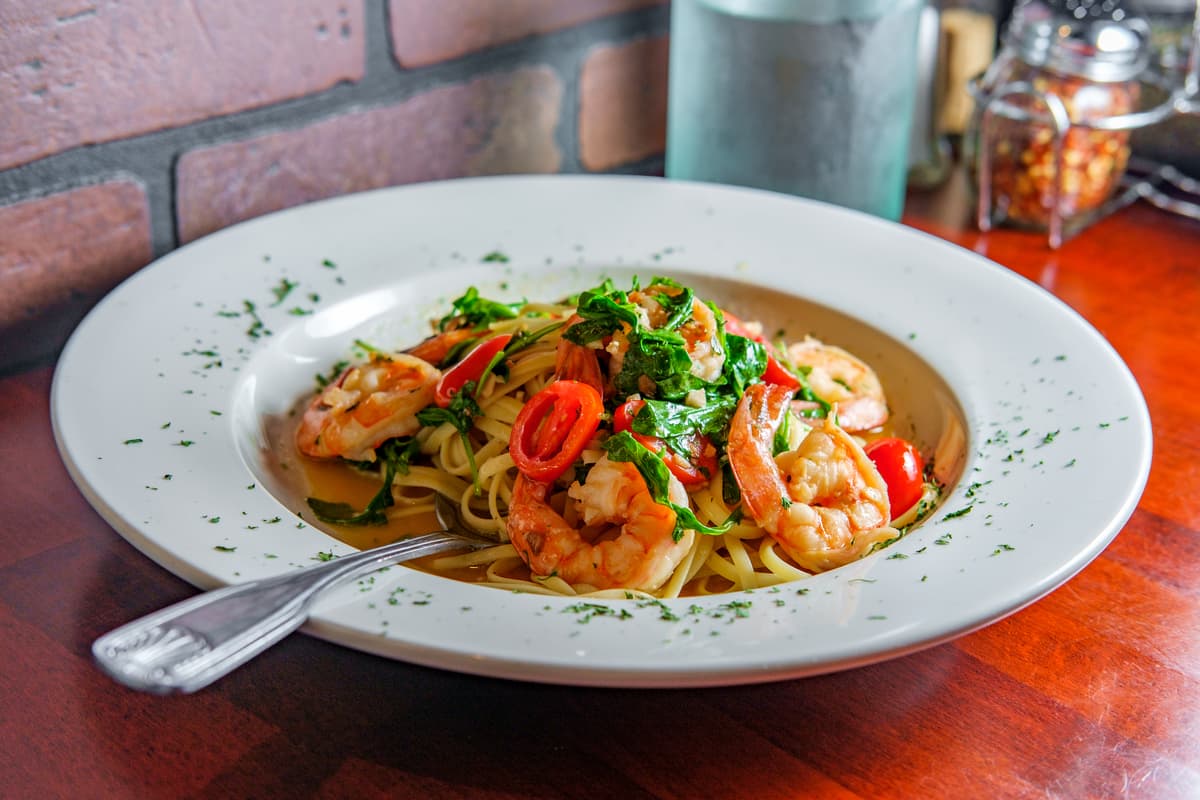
[{"x": 1092, "y": 692}]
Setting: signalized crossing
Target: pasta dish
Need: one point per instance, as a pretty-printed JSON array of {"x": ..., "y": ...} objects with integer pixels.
[{"x": 637, "y": 441}]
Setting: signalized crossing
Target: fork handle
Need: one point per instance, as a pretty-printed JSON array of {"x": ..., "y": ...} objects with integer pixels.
[{"x": 187, "y": 646}]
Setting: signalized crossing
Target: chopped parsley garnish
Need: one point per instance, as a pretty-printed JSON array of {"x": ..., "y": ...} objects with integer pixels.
[
  {"x": 282, "y": 291},
  {"x": 257, "y": 328},
  {"x": 588, "y": 611}
]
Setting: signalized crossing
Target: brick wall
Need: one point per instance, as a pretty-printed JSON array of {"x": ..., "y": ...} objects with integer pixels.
[{"x": 130, "y": 128}]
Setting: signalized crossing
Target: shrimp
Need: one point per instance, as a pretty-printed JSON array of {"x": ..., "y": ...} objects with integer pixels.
[
  {"x": 703, "y": 345},
  {"x": 435, "y": 348},
  {"x": 643, "y": 554},
  {"x": 841, "y": 379},
  {"x": 367, "y": 405},
  {"x": 824, "y": 502},
  {"x": 699, "y": 332}
]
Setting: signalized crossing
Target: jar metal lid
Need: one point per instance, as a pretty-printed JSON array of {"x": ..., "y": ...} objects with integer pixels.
[{"x": 1100, "y": 40}]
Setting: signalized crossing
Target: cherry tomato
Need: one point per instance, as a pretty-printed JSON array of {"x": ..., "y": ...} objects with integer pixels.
[
  {"x": 553, "y": 427},
  {"x": 775, "y": 372},
  {"x": 469, "y": 369},
  {"x": 694, "y": 469},
  {"x": 778, "y": 374},
  {"x": 902, "y": 469}
]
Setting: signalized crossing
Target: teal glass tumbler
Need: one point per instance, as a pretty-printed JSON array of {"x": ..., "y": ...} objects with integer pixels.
[{"x": 809, "y": 97}]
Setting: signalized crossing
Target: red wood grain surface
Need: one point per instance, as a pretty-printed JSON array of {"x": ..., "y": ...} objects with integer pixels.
[{"x": 1093, "y": 691}]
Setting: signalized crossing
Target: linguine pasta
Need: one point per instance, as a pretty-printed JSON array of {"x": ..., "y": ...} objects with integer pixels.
[{"x": 664, "y": 383}]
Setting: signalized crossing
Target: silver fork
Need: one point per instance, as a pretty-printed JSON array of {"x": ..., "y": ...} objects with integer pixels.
[{"x": 187, "y": 646}]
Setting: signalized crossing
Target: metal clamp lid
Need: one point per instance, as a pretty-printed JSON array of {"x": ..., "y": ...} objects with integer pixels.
[{"x": 1100, "y": 40}]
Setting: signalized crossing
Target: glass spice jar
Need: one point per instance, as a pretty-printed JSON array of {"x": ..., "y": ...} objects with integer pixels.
[{"x": 1047, "y": 130}]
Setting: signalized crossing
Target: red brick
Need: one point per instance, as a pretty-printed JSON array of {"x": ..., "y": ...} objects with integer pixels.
[
  {"x": 59, "y": 254},
  {"x": 74, "y": 73},
  {"x": 501, "y": 123},
  {"x": 428, "y": 31},
  {"x": 623, "y": 103}
]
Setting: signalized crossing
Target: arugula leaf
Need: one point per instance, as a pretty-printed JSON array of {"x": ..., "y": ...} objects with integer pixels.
[
  {"x": 731, "y": 492},
  {"x": 678, "y": 307},
  {"x": 459, "y": 351},
  {"x": 604, "y": 310},
  {"x": 396, "y": 455},
  {"x": 662, "y": 357},
  {"x": 780, "y": 443},
  {"x": 461, "y": 414},
  {"x": 663, "y": 280},
  {"x": 806, "y": 393},
  {"x": 674, "y": 423},
  {"x": 476, "y": 311},
  {"x": 623, "y": 447},
  {"x": 745, "y": 362}
]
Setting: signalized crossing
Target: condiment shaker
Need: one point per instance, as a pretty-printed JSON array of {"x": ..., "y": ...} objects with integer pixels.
[{"x": 1047, "y": 134}]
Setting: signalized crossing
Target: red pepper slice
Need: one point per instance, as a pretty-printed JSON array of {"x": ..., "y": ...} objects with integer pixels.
[
  {"x": 553, "y": 427},
  {"x": 775, "y": 372},
  {"x": 694, "y": 469},
  {"x": 469, "y": 369}
]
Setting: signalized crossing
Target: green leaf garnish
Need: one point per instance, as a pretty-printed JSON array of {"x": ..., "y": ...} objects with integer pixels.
[
  {"x": 623, "y": 447},
  {"x": 460, "y": 414},
  {"x": 745, "y": 362},
  {"x": 674, "y": 423},
  {"x": 282, "y": 290},
  {"x": 476, "y": 312},
  {"x": 396, "y": 455}
]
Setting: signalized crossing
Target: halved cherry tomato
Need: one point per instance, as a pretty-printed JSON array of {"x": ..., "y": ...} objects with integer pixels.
[
  {"x": 553, "y": 427},
  {"x": 694, "y": 469},
  {"x": 469, "y": 369},
  {"x": 775, "y": 372},
  {"x": 778, "y": 374},
  {"x": 902, "y": 469}
]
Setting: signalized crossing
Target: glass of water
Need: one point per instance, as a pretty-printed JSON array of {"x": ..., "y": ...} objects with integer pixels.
[{"x": 808, "y": 97}]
